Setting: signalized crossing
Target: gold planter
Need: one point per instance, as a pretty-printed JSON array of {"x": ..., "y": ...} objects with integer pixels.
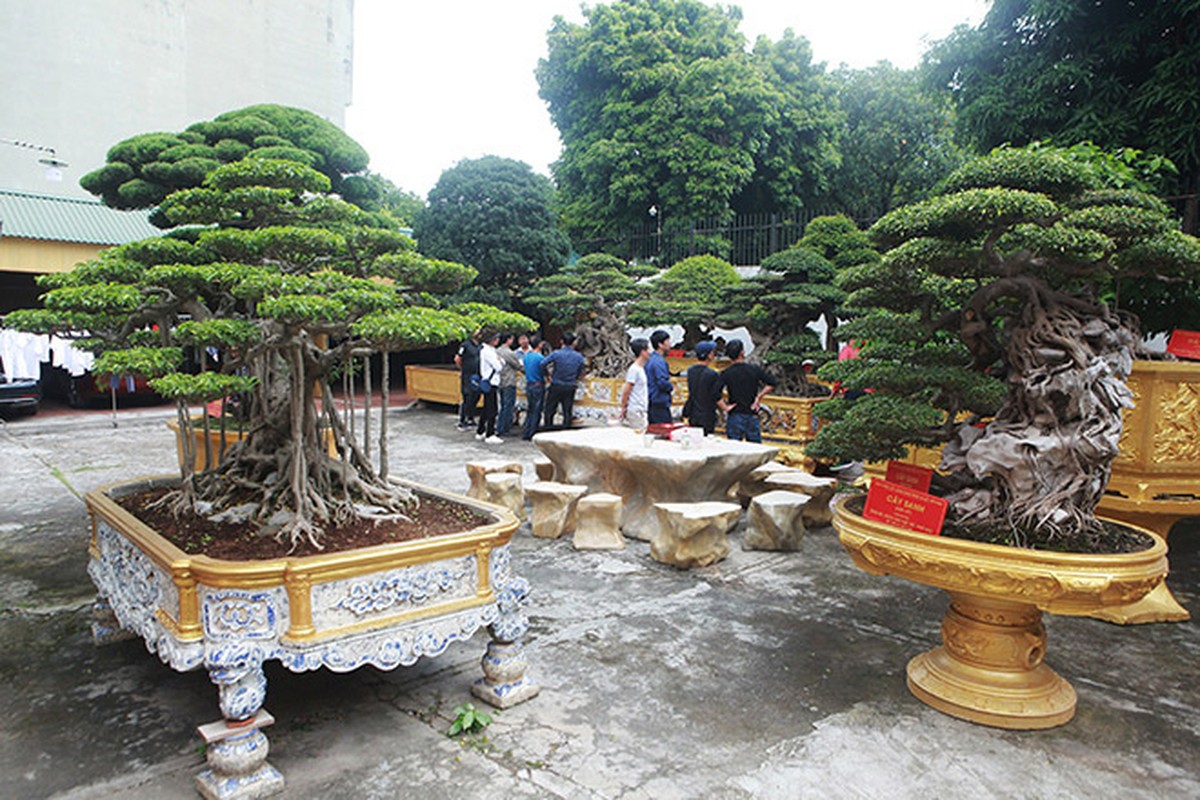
[
  {"x": 990, "y": 666},
  {"x": 384, "y": 606}
]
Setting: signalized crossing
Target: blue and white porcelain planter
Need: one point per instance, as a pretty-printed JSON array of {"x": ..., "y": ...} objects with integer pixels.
[{"x": 386, "y": 606}]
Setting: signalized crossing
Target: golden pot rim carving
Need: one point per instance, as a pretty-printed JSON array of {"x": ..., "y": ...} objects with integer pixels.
[
  {"x": 1061, "y": 583},
  {"x": 315, "y": 568}
]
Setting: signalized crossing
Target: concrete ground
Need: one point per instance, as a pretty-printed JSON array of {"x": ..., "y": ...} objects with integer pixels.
[{"x": 767, "y": 675}]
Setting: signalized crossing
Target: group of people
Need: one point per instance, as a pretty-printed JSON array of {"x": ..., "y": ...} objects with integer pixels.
[
  {"x": 737, "y": 390},
  {"x": 492, "y": 365}
]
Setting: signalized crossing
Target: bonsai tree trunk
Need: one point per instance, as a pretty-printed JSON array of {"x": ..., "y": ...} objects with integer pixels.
[{"x": 1044, "y": 461}]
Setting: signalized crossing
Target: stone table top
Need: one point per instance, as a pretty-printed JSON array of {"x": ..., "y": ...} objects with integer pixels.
[{"x": 645, "y": 471}]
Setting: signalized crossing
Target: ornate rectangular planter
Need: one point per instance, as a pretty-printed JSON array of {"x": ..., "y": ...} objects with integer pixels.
[{"x": 386, "y": 606}]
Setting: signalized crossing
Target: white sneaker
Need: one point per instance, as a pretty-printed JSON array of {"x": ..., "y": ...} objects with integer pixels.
[
  {"x": 479, "y": 437},
  {"x": 493, "y": 440}
]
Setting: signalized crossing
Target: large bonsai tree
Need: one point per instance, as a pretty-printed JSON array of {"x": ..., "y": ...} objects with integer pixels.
[
  {"x": 592, "y": 297},
  {"x": 277, "y": 286},
  {"x": 986, "y": 331},
  {"x": 796, "y": 287},
  {"x": 689, "y": 294}
]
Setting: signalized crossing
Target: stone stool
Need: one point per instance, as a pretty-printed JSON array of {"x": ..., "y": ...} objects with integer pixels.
[
  {"x": 598, "y": 522},
  {"x": 693, "y": 534},
  {"x": 817, "y": 513},
  {"x": 544, "y": 468},
  {"x": 755, "y": 483},
  {"x": 504, "y": 489},
  {"x": 553, "y": 507},
  {"x": 478, "y": 471},
  {"x": 775, "y": 521}
]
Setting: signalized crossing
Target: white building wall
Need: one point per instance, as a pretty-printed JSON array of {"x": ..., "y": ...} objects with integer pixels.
[{"x": 81, "y": 75}]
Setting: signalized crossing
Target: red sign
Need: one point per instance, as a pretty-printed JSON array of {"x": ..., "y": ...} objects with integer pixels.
[
  {"x": 909, "y": 475},
  {"x": 905, "y": 508},
  {"x": 1185, "y": 344}
]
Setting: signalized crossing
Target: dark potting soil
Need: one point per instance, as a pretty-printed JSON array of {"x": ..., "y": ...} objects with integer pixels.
[
  {"x": 1114, "y": 538},
  {"x": 198, "y": 535}
]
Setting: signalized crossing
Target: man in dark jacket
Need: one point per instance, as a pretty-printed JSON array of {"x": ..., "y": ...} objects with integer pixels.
[
  {"x": 658, "y": 378},
  {"x": 565, "y": 366},
  {"x": 746, "y": 384},
  {"x": 704, "y": 390}
]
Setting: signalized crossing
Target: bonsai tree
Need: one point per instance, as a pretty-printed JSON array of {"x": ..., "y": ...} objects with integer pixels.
[
  {"x": 796, "y": 287},
  {"x": 690, "y": 294},
  {"x": 983, "y": 328},
  {"x": 592, "y": 297},
  {"x": 284, "y": 284},
  {"x": 142, "y": 170}
]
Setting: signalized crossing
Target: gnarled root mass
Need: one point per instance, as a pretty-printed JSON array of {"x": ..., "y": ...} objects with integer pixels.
[{"x": 1040, "y": 468}]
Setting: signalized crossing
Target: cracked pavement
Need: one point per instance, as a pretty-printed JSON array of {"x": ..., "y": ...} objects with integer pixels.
[{"x": 768, "y": 674}]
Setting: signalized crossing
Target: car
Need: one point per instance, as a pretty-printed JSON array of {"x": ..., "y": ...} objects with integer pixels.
[{"x": 19, "y": 395}]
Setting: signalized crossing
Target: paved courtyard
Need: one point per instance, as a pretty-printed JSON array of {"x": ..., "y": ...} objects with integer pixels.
[{"x": 766, "y": 675}]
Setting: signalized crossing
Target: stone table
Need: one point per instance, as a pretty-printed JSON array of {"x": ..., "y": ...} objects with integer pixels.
[{"x": 645, "y": 471}]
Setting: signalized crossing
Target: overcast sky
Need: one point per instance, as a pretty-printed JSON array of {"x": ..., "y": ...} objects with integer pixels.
[{"x": 435, "y": 83}]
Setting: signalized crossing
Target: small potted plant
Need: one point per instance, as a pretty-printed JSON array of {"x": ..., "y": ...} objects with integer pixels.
[{"x": 985, "y": 328}]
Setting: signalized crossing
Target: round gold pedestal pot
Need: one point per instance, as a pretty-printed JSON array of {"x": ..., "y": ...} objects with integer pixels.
[{"x": 989, "y": 668}]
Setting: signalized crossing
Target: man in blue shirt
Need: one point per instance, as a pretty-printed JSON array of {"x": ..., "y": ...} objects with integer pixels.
[
  {"x": 535, "y": 388},
  {"x": 565, "y": 366},
  {"x": 658, "y": 378}
]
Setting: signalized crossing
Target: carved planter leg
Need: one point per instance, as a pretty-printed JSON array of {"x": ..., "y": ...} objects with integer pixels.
[
  {"x": 237, "y": 747},
  {"x": 989, "y": 668},
  {"x": 106, "y": 628},
  {"x": 504, "y": 682}
]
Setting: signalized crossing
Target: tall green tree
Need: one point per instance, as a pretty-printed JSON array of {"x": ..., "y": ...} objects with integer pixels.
[
  {"x": 659, "y": 105},
  {"x": 498, "y": 216},
  {"x": 897, "y": 141},
  {"x": 1116, "y": 72}
]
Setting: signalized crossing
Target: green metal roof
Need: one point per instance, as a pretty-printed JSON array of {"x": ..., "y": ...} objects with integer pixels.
[{"x": 70, "y": 219}]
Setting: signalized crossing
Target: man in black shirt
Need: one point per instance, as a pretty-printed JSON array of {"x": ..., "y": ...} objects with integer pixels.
[
  {"x": 745, "y": 384},
  {"x": 704, "y": 390},
  {"x": 467, "y": 360}
]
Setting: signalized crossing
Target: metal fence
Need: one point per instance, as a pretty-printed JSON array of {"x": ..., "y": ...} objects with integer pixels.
[{"x": 744, "y": 240}]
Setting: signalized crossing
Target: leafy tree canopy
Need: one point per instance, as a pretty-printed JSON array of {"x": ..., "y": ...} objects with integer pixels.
[
  {"x": 592, "y": 296},
  {"x": 897, "y": 141},
  {"x": 497, "y": 215},
  {"x": 659, "y": 104},
  {"x": 1116, "y": 72}
]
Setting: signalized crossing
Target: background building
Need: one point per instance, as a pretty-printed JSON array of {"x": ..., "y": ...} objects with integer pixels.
[{"x": 78, "y": 76}]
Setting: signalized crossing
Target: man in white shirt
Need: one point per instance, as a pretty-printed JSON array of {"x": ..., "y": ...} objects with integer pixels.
[
  {"x": 635, "y": 397},
  {"x": 490, "y": 367}
]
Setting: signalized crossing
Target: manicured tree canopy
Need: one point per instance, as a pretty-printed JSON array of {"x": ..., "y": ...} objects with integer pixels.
[
  {"x": 998, "y": 275},
  {"x": 144, "y": 169},
  {"x": 592, "y": 297},
  {"x": 690, "y": 293},
  {"x": 285, "y": 283}
]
